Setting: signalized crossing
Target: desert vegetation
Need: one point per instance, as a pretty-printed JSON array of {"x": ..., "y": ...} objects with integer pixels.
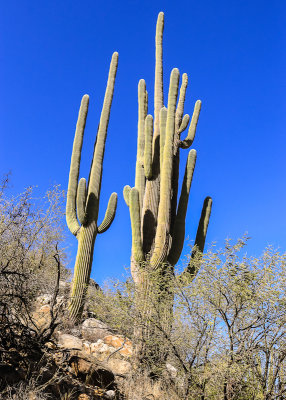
[{"x": 211, "y": 327}]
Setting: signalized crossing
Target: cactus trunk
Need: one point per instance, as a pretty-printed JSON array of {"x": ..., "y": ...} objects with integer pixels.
[{"x": 82, "y": 269}]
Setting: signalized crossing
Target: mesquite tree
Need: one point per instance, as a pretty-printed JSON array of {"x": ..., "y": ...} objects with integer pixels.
[
  {"x": 157, "y": 218},
  {"x": 83, "y": 199}
]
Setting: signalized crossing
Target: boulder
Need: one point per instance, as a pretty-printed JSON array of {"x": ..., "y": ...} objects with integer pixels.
[
  {"x": 92, "y": 329},
  {"x": 67, "y": 341},
  {"x": 95, "y": 374}
]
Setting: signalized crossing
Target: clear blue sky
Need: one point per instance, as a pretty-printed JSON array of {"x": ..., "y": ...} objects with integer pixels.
[{"x": 53, "y": 52}]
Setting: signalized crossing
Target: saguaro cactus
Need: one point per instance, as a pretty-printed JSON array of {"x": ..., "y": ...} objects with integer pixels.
[
  {"x": 157, "y": 218},
  {"x": 83, "y": 199}
]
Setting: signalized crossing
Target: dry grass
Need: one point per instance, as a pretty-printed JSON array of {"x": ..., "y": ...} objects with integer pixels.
[{"x": 143, "y": 388}]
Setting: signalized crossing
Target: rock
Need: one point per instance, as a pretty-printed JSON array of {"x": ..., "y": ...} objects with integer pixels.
[
  {"x": 42, "y": 317},
  {"x": 67, "y": 341},
  {"x": 110, "y": 394},
  {"x": 116, "y": 341},
  {"x": 100, "y": 350},
  {"x": 119, "y": 342},
  {"x": 118, "y": 367},
  {"x": 172, "y": 370},
  {"x": 92, "y": 329},
  {"x": 43, "y": 299},
  {"x": 86, "y": 347},
  {"x": 87, "y": 370},
  {"x": 84, "y": 396}
]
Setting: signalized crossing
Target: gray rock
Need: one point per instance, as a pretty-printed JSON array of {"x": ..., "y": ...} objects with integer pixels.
[
  {"x": 92, "y": 329},
  {"x": 110, "y": 394},
  {"x": 67, "y": 341}
]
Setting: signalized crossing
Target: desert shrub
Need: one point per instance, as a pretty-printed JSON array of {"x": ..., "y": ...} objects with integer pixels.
[
  {"x": 228, "y": 338},
  {"x": 31, "y": 263}
]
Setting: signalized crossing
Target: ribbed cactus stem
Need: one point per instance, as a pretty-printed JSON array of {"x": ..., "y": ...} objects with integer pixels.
[
  {"x": 163, "y": 226},
  {"x": 148, "y": 146},
  {"x": 126, "y": 194},
  {"x": 158, "y": 89},
  {"x": 82, "y": 270},
  {"x": 163, "y": 123},
  {"x": 180, "y": 221},
  {"x": 71, "y": 218},
  {"x": 203, "y": 224},
  {"x": 184, "y": 124},
  {"x": 81, "y": 201},
  {"x": 94, "y": 183},
  {"x": 181, "y": 102},
  {"x": 140, "y": 175},
  {"x": 109, "y": 215},
  {"x": 137, "y": 251},
  {"x": 185, "y": 144},
  {"x": 194, "y": 264}
]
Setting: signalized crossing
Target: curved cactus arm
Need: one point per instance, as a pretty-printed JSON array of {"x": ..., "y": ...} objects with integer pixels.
[
  {"x": 184, "y": 124},
  {"x": 109, "y": 215},
  {"x": 194, "y": 264},
  {"x": 126, "y": 194},
  {"x": 140, "y": 179},
  {"x": 81, "y": 201},
  {"x": 134, "y": 207},
  {"x": 180, "y": 221},
  {"x": 185, "y": 144},
  {"x": 94, "y": 183},
  {"x": 181, "y": 102},
  {"x": 163, "y": 226},
  {"x": 148, "y": 146},
  {"x": 163, "y": 122},
  {"x": 71, "y": 218}
]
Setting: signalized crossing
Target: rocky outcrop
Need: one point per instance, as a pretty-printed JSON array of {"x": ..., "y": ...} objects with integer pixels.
[
  {"x": 92, "y": 329},
  {"x": 112, "y": 352}
]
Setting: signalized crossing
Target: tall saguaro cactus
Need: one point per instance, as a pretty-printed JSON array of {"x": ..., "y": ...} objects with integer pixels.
[
  {"x": 157, "y": 217},
  {"x": 83, "y": 199}
]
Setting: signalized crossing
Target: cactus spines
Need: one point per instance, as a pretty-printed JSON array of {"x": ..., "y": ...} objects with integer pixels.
[
  {"x": 158, "y": 222},
  {"x": 83, "y": 199}
]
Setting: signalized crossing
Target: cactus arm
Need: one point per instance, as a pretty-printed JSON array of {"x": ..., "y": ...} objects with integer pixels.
[
  {"x": 146, "y": 102},
  {"x": 194, "y": 264},
  {"x": 181, "y": 102},
  {"x": 158, "y": 88},
  {"x": 203, "y": 225},
  {"x": 81, "y": 201},
  {"x": 71, "y": 218},
  {"x": 186, "y": 143},
  {"x": 163, "y": 226},
  {"x": 179, "y": 227},
  {"x": 109, "y": 215},
  {"x": 184, "y": 124},
  {"x": 140, "y": 179},
  {"x": 148, "y": 146},
  {"x": 94, "y": 183},
  {"x": 163, "y": 121},
  {"x": 134, "y": 207},
  {"x": 126, "y": 194}
]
